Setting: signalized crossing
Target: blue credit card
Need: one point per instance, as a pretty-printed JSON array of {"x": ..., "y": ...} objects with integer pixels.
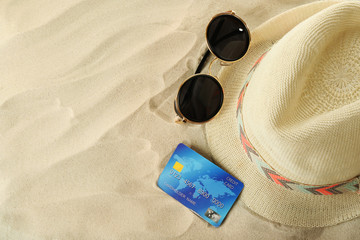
[{"x": 200, "y": 185}]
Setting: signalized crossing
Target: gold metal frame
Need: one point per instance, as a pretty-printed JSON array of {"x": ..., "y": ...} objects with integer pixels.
[
  {"x": 181, "y": 118},
  {"x": 231, "y": 12}
]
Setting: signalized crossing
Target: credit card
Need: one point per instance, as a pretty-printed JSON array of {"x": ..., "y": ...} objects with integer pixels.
[{"x": 199, "y": 185}]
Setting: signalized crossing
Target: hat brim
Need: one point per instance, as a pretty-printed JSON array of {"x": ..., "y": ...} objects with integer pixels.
[{"x": 262, "y": 196}]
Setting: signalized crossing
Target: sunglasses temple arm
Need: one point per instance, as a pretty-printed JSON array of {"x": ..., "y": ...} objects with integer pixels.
[{"x": 202, "y": 62}]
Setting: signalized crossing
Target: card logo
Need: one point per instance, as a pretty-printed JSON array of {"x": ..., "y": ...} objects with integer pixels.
[{"x": 178, "y": 166}]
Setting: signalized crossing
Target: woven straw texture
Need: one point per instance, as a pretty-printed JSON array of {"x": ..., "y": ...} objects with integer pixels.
[{"x": 302, "y": 121}]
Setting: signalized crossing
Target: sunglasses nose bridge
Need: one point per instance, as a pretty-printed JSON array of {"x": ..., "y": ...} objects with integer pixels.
[
  {"x": 212, "y": 61},
  {"x": 222, "y": 63}
]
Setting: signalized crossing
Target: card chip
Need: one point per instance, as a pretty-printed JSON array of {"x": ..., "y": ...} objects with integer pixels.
[{"x": 178, "y": 166}]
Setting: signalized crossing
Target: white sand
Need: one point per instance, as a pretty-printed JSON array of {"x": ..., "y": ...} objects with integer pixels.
[{"x": 86, "y": 119}]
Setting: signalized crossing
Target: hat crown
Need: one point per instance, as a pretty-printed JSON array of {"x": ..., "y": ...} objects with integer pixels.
[{"x": 302, "y": 106}]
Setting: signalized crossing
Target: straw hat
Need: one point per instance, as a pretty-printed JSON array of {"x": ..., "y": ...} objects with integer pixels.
[{"x": 290, "y": 124}]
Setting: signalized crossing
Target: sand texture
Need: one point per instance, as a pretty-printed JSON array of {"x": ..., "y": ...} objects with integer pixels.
[{"x": 86, "y": 119}]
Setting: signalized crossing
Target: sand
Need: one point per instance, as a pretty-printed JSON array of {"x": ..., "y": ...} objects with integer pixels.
[{"x": 86, "y": 120}]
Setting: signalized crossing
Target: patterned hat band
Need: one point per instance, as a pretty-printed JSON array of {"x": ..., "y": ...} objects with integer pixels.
[{"x": 351, "y": 185}]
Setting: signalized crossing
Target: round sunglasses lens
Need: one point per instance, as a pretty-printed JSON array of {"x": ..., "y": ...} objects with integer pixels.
[
  {"x": 200, "y": 98},
  {"x": 228, "y": 37}
]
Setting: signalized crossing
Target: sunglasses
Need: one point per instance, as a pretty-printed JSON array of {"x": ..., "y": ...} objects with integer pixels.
[{"x": 201, "y": 96}]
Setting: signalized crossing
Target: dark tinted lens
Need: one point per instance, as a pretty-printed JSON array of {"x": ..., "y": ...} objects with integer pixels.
[
  {"x": 200, "y": 98},
  {"x": 228, "y": 37}
]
